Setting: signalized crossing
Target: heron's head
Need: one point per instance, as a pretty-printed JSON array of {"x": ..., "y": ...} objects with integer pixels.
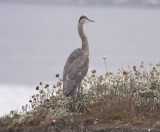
[{"x": 84, "y": 20}]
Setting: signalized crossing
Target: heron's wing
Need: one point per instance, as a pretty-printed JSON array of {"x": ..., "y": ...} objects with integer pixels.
[{"x": 75, "y": 69}]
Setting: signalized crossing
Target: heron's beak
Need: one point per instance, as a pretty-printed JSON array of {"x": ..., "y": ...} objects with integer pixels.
[{"x": 90, "y": 20}]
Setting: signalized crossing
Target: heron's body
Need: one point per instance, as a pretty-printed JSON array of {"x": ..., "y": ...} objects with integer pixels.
[
  {"x": 77, "y": 64},
  {"x": 75, "y": 70}
]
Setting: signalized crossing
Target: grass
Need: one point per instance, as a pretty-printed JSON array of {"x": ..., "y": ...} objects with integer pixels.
[{"x": 132, "y": 93}]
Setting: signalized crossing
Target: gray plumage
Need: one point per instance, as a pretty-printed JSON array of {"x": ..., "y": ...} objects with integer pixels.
[
  {"x": 77, "y": 64},
  {"x": 74, "y": 71}
]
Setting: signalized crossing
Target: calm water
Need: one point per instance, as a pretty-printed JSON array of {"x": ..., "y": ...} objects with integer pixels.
[{"x": 35, "y": 42}]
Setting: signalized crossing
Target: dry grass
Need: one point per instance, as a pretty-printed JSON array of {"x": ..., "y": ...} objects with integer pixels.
[{"x": 131, "y": 95}]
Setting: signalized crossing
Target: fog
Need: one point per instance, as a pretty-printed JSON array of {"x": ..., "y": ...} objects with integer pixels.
[{"x": 35, "y": 42}]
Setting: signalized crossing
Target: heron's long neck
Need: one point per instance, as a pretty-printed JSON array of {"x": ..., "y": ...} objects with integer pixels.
[{"x": 83, "y": 37}]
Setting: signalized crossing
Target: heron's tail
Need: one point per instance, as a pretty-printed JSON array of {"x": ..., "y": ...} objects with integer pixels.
[
  {"x": 69, "y": 89},
  {"x": 73, "y": 92}
]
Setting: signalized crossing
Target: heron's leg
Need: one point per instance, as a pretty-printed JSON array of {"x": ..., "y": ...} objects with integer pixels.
[
  {"x": 82, "y": 100},
  {"x": 74, "y": 107}
]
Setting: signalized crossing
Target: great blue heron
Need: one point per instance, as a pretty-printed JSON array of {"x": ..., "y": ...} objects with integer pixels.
[{"x": 77, "y": 64}]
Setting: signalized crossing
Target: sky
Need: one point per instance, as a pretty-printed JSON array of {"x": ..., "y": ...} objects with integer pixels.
[{"x": 35, "y": 41}]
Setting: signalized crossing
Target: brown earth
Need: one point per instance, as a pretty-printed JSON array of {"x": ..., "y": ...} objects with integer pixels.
[{"x": 67, "y": 125}]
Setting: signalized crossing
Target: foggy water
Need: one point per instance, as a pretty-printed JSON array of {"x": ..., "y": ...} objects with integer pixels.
[{"x": 35, "y": 42}]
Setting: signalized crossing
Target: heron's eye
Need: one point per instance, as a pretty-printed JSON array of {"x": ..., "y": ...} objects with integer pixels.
[{"x": 86, "y": 21}]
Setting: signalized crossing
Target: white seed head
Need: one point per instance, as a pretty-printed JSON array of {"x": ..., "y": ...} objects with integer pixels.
[{"x": 104, "y": 57}]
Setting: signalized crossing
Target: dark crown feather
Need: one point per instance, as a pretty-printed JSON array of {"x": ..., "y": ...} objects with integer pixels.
[{"x": 82, "y": 17}]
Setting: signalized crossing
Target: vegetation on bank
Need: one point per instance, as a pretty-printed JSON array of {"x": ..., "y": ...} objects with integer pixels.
[{"x": 130, "y": 93}]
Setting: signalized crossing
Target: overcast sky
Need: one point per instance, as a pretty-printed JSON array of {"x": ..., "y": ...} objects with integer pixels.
[{"x": 35, "y": 42}]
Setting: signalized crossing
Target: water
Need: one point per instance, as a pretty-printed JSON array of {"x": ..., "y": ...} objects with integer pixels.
[{"x": 35, "y": 42}]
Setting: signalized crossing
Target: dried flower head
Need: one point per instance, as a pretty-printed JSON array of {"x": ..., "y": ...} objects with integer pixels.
[
  {"x": 154, "y": 68},
  {"x": 158, "y": 73},
  {"x": 30, "y": 101},
  {"x": 47, "y": 100},
  {"x": 93, "y": 71},
  {"x": 41, "y": 91},
  {"x": 110, "y": 87},
  {"x": 125, "y": 72},
  {"x": 47, "y": 85},
  {"x": 126, "y": 77},
  {"x": 93, "y": 75},
  {"x": 110, "y": 73},
  {"x": 137, "y": 73},
  {"x": 158, "y": 64},
  {"x": 33, "y": 105},
  {"x": 152, "y": 72},
  {"x": 85, "y": 84},
  {"x": 104, "y": 57},
  {"x": 59, "y": 89},
  {"x": 156, "y": 77},
  {"x": 37, "y": 87},
  {"x": 137, "y": 77},
  {"x": 85, "y": 80},
  {"x": 57, "y": 92},
  {"x": 54, "y": 86},
  {"x": 40, "y": 83},
  {"x": 144, "y": 74},
  {"x": 118, "y": 73},
  {"x": 91, "y": 102},
  {"x": 141, "y": 66},
  {"x": 57, "y": 75},
  {"x": 94, "y": 80},
  {"x": 92, "y": 86},
  {"x": 59, "y": 83},
  {"x": 107, "y": 74},
  {"x": 84, "y": 92},
  {"x": 134, "y": 68},
  {"x": 107, "y": 93}
]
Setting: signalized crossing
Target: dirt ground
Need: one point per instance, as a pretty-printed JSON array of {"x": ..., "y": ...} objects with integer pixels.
[{"x": 70, "y": 125}]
